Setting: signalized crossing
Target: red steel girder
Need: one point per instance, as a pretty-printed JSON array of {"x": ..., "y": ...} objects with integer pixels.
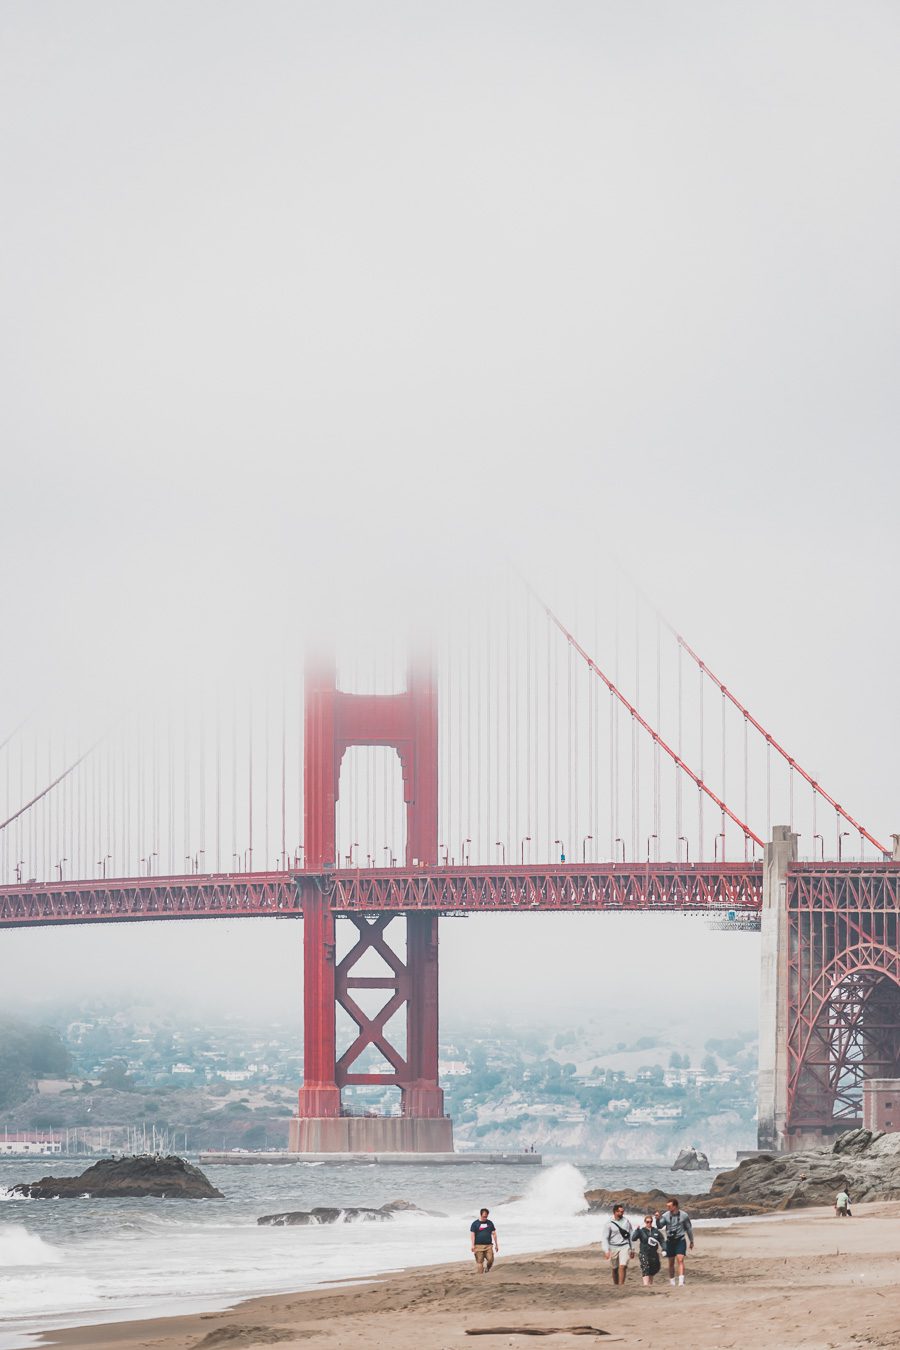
[
  {"x": 224, "y": 896},
  {"x": 570, "y": 886},
  {"x": 681, "y": 887}
]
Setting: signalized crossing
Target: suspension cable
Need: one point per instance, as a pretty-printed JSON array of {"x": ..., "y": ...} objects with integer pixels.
[{"x": 641, "y": 721}]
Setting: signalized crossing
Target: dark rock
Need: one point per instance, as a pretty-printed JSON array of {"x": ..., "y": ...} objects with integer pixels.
[
  {"x": 639, "y": 1203},
  {"x": 126, "y": 1179},
  {"x": 407, "y": 1207},
  {"x": 867, "y": 1165},
  {"x": 302, "y": 1218},
  {"x": 689, "y": 1160}
]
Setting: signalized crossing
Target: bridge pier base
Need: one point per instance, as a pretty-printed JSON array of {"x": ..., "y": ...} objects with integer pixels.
[
  {"x": 322, "y": 1123},
  {"x": 781, "y": 851}
]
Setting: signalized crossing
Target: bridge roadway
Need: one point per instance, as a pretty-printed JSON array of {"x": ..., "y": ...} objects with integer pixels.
[{"x": 674, "y": 887}]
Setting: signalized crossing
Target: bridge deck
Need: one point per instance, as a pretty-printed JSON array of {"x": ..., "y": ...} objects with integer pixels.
[{"x": 695, "y": 887}]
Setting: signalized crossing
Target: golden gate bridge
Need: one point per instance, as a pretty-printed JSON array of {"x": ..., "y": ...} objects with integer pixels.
[{"x": 526, "y": 758}]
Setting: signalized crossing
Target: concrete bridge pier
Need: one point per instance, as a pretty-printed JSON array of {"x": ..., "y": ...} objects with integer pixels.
[{"x": 780, "y": 852}]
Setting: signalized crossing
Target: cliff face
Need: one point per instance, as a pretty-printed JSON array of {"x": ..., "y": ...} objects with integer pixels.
[{"x": 126, "y": 1178}]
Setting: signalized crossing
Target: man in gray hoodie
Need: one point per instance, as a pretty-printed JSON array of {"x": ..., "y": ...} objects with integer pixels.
[
  {"x": 676, "y": 1227},
  {"x": 615, "y": 1239}
]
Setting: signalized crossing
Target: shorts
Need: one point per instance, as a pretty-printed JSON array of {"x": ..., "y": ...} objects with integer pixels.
[
  {"x": 619, "y": 1256},
  {"x": 676, "y": 1246},
  {"x": 484, "y": 1254}
]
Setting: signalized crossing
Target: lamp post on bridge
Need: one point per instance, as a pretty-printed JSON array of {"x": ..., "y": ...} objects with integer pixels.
[
  {"x": 720, "y": 835},
  {"x": 842, "y": 835},
  {"x": 59, "y": 867},
  {"x": 562, "y": 850},
  {"x": 652, "y": 836},
  {"x": 821, "y": 839},
  {"x": 522, "y": 843},
  {"x": 683, "y": 839},
  {"x": 584, "y": 847},
  {"x": 19, "y": 865},
  {"x": 621, "y": 841},
  {"x": 500, "y": 844},
  {"x": 464, "y": 852}
]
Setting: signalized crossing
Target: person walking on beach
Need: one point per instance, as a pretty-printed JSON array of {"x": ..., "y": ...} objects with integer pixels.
[
  {"x": 842, "y": 1205},
  {"x": 650, "y": 1241},
  {"x": 615, "y": 1239},
  {"x": 679, "y": 1234},
  {"x": 484, "y": 1241}
]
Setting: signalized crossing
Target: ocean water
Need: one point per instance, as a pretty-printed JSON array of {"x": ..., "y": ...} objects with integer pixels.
[{"x": 77, "y": 1262}]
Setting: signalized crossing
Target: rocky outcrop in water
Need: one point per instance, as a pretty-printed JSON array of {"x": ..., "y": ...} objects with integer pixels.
[
  {"x": 864, "y": 1163},
  {"x": 303, "y": 1218},
  {"x": 126, "y": 1179},
  {"x": 689, "y": 1160}
]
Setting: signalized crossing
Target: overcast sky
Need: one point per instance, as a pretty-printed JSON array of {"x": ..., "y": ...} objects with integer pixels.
[{"x": 303, "y": 305}]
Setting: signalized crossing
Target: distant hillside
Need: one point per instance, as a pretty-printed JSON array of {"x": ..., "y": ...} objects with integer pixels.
[{"x": 28, "y": 1053}]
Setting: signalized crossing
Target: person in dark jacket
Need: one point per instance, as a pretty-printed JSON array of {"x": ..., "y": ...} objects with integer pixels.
[
  {"x": 679, "y": 1234},
  {"x": 649, "y": 1240}
]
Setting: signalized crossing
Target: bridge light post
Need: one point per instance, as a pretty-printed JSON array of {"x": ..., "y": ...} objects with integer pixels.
[
  {"x": 464, "y": 852},
  {"x": 622, "y": 842},
  {"x": 391, "y": 860},
  {"x": 298, "y": 856},
  {"x": 59, "y": 867},
  {"x": 562, "y": 850},
  {"x": 682, "y": 839},
  {"x": 526, "y": 840},
  {"x": 350, "y": 854},
  {"x": 502, "y": 847},
  {"x": 584, "y": 846},
  {"x": 821, "y": 839},
  {"x": 720, "y": 835},
  {"x": 842, "y": 835},
  {"x": 19, "y": 865},
  {"x": 652, "y": 837}
]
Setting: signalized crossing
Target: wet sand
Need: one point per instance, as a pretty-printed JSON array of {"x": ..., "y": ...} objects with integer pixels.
[{"x": 804, "y": 1279}]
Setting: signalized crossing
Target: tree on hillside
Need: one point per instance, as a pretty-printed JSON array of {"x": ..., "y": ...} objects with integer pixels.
[{"x": 27, "y": 1053}]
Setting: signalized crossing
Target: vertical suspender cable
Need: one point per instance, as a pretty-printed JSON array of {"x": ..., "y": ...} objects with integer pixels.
[
  {"x": 249, "y": 779},
  {"x": 724, "y": 793},
  {"x": 218, "y": 717},
  {"x": 635, "y": 744},
  {"x": 679, "y": 822},
  {"x": 746, "y": 782},
  {"x": 702, "y": 775}
]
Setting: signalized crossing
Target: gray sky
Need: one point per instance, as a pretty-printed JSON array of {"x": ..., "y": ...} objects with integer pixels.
[{"x": 292, "y": 295}]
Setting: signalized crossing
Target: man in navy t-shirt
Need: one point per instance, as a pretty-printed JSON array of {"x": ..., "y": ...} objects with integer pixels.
[{"x": 484, "y": 1241}]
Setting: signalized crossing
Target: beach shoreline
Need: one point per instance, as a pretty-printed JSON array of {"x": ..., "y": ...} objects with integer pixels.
[{"x": 799, "y": 1279}]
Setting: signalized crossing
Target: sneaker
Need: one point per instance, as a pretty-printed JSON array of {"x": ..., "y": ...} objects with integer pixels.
[
  {"x": 681, "y": 1279},
  {"x": 672, "y": 1282}
]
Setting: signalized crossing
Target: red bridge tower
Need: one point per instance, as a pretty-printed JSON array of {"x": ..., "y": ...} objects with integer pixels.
[{"x": 335, "y": 721}]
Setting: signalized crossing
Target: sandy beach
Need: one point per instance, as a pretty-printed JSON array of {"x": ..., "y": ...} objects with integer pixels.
[{"x": 804, "y": 1279}]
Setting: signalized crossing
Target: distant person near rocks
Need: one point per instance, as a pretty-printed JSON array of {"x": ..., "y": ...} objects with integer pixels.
[
  {"x": 615, "y": 1239},
  {"x": 679, "y": 1234},
  {"x": 650, "y": 1241},
  {"x": 484, "y": 1241},
  {"x": 842, "y": 1205}
]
